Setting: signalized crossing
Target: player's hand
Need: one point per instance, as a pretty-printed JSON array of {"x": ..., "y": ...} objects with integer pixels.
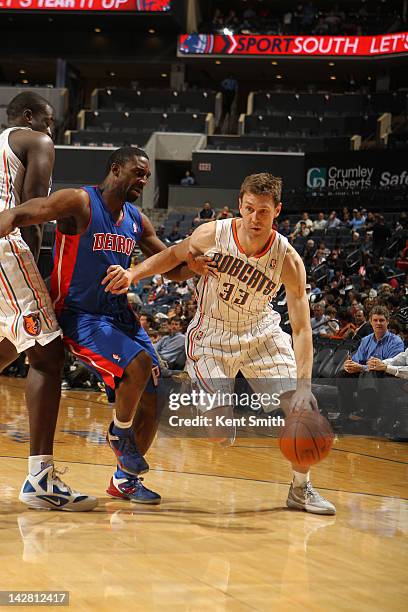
[
  {"x": 117, "y": 280},
  {"x": 376, "y": 365},
  {"x": 302, "y": 399},
  {"x": 202, "y": 265},
  {"x": 6, "y": 224},
  {"x": 352, "y": 367}
]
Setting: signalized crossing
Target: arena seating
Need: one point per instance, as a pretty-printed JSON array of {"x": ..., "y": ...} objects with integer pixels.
[
  {"x": 125, "y": 116},
  {"x": 314, "y": 121},
  {"x": 162, "y": 100}
]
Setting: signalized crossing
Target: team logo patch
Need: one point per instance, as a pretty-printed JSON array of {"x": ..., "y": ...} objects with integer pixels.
[
  {"x": 199, "y": 335},
  {"x": 32, "y": 324},
  {"x": 115, "y": 356}
]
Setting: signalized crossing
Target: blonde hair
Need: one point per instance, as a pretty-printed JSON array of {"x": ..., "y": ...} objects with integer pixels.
[{"x": 263, "y": 183}]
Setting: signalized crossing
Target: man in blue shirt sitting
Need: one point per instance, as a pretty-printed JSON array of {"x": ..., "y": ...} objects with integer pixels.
[{"x": 381, "y": 344}]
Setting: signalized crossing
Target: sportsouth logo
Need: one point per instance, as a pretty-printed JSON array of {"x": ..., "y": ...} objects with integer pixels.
[
  {"x": 197, "y": 43},
  {"x": 316, "y": 177}
]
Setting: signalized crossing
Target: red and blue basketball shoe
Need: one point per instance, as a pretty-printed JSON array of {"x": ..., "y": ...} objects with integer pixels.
[
  {"x": 123, "y": 444},
  {"x": 131, "y": 488}
]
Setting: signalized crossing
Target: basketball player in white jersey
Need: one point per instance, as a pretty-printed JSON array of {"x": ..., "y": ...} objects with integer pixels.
[
  {"x": 27, "y": 320},
  {"x": 235, "y": 328}
]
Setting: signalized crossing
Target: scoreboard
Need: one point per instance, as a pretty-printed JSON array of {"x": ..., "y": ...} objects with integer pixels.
[{"x": 87, "y": 5}]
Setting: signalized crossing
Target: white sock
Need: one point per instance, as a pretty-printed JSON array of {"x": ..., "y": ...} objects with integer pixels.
[
  {"x": 121, "y": 424},
  {"x": 36, "y": 463},
  {"x": 300, "y": 479}
]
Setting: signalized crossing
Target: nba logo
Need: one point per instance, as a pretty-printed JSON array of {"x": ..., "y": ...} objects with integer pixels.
[
  {"x": 135, "y": 227},
  {"x": 273, "y": 264}
]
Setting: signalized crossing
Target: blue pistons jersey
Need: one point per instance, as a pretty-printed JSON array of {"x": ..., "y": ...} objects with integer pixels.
[{"x": 81, "y": 261}]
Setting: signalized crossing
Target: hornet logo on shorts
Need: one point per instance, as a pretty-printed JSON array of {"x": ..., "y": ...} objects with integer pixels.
[
  {"x": 197, "y": 43},
  {"x": 32, "y": 324}
]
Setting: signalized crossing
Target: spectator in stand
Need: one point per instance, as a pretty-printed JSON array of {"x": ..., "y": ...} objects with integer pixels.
[
  {"x": 218, "y": 20},
  {"x": 347, "y": 327},
  {"x": 395, "y": 366},
  {"x": 319, "y": 319},
  {"x": 357, "y": 221},
  {"x": 333, "y": 222},
  {"x": 225, "y": 213},
  {"x": 229, "y": 88},
  {"x": 332, "y": 326},
  {"x": 207, "y": 213},
  {"x": 301, "y": 230},
  {"x": 320, "y": 255},
  {"x": 309, "y": 253},
  {"x": 305, "y": 219},
  {"x": 370, "y": 221},
  {"x": 314, "y": 289},
  {"x": 324, "y": 251},
  {"x": 376, "y": 275},
  {"x": 381, "y": 233},
  {"x": 320, "y": 223},
  {"x": 363, "y": 327},
  {"x": 188, "y": 179},
  {"x": 175, "y": 233},
  {"x": 145, "y": 321},
  {"x": 171, "y": 347},
  {"x": 284, "y": 228},
  {"x": 381, "y": 344}
]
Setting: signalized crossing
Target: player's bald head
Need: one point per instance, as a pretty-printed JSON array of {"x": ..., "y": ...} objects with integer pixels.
[{"x": 27, "y": 100}]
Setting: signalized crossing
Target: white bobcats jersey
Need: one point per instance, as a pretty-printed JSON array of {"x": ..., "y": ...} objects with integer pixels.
[
  {"x": 12, "y": 174},
  {"x": 245, "y": 285}
]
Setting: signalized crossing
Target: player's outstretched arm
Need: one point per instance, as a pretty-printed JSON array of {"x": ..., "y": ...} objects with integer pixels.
[
  {"x": 61, "y": 205},
  {"x": 118, "y": 281},
  {"x": 150, "y": 245},
  {"x": 294, "y": 279}
]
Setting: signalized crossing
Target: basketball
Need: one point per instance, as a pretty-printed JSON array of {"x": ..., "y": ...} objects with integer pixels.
[{"x": 306, "y": 438}]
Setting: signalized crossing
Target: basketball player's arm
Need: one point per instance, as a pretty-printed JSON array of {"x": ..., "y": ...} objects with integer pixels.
[
  {"x": 118, "y": 280},
  {"x": 40, "y": 156},
  {"x": 68, "y": 206},
  {"x": 150, "y": 245},
  {"x": 294, "y": 278}
]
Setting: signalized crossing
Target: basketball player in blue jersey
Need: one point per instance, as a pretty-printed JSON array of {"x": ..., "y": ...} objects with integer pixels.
[
  {"x": 235, "y": 328},
  {"x": 97, "y": 227}
]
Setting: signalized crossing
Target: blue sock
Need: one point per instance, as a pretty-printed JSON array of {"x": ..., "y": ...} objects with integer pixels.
[
  {"x": 123, "y": 433},
  {"x": 121, "y": 474}
]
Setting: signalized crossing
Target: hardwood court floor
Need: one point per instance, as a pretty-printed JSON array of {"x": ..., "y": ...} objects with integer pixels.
[{"x": 222, "y": 539}]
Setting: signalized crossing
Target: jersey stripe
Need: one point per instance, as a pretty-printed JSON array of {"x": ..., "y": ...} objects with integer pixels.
[
  {"x": 13, "y": 300},
  {"x": 24, "y": 272},
  {"x": 66, "y": 250},
  {"x": 190, "y": 338},
  {"x": 7, "y": 181},
  {"x": 107, "y": 369}
]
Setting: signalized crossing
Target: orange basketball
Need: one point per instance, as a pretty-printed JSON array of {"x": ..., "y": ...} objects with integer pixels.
[{"x": 306, "y": 437}]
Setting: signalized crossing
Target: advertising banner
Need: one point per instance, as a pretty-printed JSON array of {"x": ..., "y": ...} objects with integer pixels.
[
  {"x": 87, "y": 5},
  {"x": 292, "y": 46},
  {"x": 356, "y": 170}
]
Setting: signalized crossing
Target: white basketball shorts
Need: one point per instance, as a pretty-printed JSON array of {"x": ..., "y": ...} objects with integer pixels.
[
  {"x": 262, "y": 351},
  {"x": 26, "y": 314}
]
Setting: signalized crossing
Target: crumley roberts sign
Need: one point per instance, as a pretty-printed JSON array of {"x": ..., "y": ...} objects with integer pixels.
[{"x": 293, "y": 46}]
